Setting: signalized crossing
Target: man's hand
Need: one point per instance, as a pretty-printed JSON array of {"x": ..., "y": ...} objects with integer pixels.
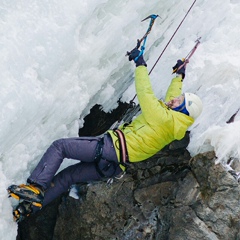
[
  {"x": 180, "y": 67},
  {"x": 134, "y": 55}
]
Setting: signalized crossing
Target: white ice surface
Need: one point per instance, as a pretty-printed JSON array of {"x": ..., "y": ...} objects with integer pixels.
[{"x": 59, "y": 58}]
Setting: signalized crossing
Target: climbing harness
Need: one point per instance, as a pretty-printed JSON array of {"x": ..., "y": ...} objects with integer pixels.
[
  {"x": 118, "y": 177},
  {"x": 98, "y": 157},
  {"x": 122, "y": 151},
  {"x": 124, "y": 160},
  {"x": 144, "y": 38}
]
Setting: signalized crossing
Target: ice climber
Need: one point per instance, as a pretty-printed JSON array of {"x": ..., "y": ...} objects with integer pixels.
[{"x": 107, "y": 156}]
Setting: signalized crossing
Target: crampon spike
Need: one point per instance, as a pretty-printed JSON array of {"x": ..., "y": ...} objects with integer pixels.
[{"x": 14, "y": 196}]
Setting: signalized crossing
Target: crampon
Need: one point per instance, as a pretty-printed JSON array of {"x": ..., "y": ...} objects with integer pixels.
[
  {"x": 29, "y": 193},
  {"x": 28, "y": 196}
]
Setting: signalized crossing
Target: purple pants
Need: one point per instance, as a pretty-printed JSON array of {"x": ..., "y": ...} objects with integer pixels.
[{"x": 82, "y": 149}]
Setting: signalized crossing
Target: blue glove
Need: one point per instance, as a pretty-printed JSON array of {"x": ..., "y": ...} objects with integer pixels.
[
  {"x": 133, "y": 55},
  {"x": 181, "y": 70}
]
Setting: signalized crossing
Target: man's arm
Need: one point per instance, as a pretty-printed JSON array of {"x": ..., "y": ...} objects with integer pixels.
[
  {"x": 151, "y": 108},
  {"x": 174, "y": 89}
]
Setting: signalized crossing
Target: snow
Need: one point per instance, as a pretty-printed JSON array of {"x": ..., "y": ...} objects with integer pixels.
[{"x": 59, "y": 58}]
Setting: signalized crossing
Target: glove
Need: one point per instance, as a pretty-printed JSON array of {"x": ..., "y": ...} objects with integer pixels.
[
  {"x": 132, "y": 56},
  {"x": 182, "y": 69}
]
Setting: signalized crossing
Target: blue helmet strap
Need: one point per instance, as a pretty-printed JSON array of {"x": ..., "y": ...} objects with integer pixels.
[{"x": 182, "y": 108}]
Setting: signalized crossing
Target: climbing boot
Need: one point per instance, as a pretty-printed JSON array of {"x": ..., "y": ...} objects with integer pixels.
[{"x": 31, "y": 193}]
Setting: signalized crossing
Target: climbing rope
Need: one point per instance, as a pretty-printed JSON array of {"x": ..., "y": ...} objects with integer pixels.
[{"x": 172, "y": 37}]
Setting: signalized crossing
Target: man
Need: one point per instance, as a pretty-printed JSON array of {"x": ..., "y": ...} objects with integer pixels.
[{"x": 102, "y": 157}]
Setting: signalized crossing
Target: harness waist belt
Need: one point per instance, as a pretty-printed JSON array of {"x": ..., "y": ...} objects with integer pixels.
[{"x": 124, "y": 160}]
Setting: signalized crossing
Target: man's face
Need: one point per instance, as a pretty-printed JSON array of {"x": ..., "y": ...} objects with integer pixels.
[{"x": 175, "y": 102}]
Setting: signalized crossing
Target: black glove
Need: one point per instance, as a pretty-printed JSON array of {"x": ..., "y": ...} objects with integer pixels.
[
  {"x": 133, "y": 55},
  {"x": 181, "y": 70}
]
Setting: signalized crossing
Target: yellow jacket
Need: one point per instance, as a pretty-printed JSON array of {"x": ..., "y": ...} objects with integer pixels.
[{"x": 157, "y": 125}]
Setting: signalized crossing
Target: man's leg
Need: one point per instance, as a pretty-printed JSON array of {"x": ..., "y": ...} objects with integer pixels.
[
  {"x": 74, "y": 148},
  {"x": 81, "y": 172},
  {"x": 84, "y": 172},
  {"x": 83, "y": 149}
]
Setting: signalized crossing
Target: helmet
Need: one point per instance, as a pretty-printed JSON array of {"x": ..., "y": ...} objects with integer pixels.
[{"x": 193, "y": 105}]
